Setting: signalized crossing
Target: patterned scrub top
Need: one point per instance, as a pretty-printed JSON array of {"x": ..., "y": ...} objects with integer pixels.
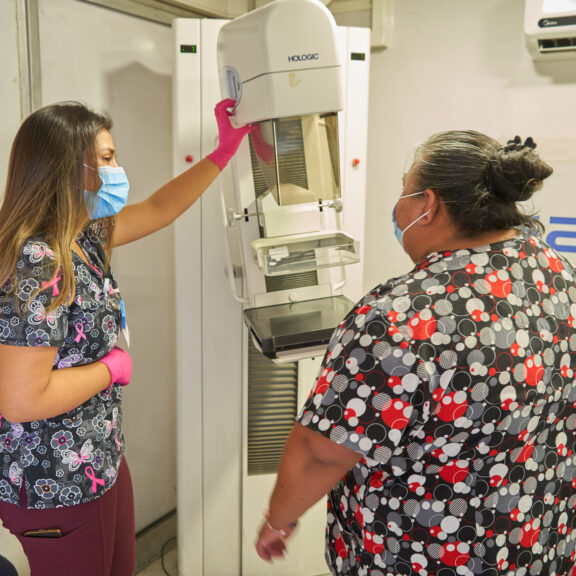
[
  {"x": 456, "y": 384},
  {"x": 74, "y": 457}
]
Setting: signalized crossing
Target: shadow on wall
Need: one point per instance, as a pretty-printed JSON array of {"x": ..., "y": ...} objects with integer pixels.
[
  {"x": 559, "y": 71},
  {"x": 140, "y": 102}
]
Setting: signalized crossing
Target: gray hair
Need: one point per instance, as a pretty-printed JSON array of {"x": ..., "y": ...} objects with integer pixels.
[{"x": 479, "y": 180}]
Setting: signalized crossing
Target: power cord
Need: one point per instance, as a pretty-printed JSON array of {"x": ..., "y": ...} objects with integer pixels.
[{"x": 163, "y": 551}]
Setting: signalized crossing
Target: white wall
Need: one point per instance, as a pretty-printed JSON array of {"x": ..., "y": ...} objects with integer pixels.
[
  {"x": 123, "y": 64},
  {"x": 9, "y": 85},
  {"x": 10, "y": 118},
  {"x": 461, "y": 64}
]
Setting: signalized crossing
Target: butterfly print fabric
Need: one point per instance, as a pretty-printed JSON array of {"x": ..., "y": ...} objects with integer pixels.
[{"x": 71, "y": 458}]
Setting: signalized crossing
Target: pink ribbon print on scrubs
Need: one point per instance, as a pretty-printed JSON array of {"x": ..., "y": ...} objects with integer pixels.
[
  {"x": 54, "y": 284},
  {"x": 79, "y": 332},
  {"x": 89, "y": 471}
]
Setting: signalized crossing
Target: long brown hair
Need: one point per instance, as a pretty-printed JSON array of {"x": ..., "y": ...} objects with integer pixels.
[{"x": 44, "y": 195}]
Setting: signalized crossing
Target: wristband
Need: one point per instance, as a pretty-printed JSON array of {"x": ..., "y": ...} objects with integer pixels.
[{"x": 279, "y": 532}]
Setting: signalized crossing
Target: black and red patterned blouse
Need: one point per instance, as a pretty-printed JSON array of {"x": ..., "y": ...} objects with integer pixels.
[{"x": 456, "y": 384}]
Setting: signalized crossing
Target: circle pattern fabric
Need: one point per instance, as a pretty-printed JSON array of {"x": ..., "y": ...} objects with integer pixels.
[{"x": 456, "y": 384}]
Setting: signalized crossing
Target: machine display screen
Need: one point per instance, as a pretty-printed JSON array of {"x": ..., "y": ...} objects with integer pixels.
[{"x": 558, "y": 6}]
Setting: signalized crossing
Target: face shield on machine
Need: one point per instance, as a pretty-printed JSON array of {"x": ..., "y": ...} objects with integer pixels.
[
  {"x": 295, "y": 166},
  {"x": 286, "y": 241}
]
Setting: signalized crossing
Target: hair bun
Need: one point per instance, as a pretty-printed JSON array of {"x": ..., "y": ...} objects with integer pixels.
[
  {"x": 516, "y": 171},
  {"x": 516, "y": 144}
]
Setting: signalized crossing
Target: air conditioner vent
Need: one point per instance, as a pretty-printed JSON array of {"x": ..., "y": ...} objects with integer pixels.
[{"x": 557, "y": 45}]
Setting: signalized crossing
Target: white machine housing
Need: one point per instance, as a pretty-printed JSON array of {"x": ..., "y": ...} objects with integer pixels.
[
  {"x": 550, "y": 28},
  {"x": 220, "y": 376},
  {"x": 285, "y": 211},
  {"x": 281, "y": 60}
]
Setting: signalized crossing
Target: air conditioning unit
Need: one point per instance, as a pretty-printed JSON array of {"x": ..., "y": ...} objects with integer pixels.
[{"x": 550, "y": 27}]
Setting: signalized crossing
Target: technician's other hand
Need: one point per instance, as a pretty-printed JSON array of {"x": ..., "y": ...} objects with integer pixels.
[
  {"x": 229, "y": 138},
  {"x": 119, "y": 363}
]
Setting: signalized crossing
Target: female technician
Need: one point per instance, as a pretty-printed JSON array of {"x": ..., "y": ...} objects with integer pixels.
[{"x": 65, "y": 489}]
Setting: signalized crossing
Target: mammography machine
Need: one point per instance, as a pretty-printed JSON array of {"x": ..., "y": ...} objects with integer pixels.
[
  {"x": 268, "y": 261},
  {"x": 285, "y": 210}
]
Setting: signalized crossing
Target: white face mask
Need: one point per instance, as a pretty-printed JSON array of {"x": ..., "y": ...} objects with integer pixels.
[{"x": 400, "y": 233}]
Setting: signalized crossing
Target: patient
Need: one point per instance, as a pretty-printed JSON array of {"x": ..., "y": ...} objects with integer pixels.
[{"x": 442, "y": 421}]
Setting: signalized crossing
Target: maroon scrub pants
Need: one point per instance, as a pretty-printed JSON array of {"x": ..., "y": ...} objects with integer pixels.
[{"x": 98, "y": 538}]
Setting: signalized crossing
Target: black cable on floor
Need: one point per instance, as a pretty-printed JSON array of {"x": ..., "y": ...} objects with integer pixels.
[{"x": 162, "y": 552}]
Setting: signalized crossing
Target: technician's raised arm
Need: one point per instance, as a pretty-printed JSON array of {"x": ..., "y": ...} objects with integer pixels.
[{"x": 176, "y": 196}]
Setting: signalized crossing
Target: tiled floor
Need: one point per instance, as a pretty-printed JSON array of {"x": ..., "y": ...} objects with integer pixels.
[{"x": 170, "y": 563}]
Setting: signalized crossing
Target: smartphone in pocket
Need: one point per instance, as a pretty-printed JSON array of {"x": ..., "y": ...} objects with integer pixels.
[{"x": 43, "y": 533}]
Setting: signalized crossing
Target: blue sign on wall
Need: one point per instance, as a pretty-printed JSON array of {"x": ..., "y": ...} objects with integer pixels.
[{"x": 555, "y": 238}]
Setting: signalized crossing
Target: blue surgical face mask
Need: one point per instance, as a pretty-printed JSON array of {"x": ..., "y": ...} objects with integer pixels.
[
  {"x": 400, "y": 233},
  {"x": 112, "y": 195}
]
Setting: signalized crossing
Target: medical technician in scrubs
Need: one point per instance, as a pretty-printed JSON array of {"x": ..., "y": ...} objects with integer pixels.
[
  {"x": 65, "y": 488},
  {"x": 442, "y": 423}
]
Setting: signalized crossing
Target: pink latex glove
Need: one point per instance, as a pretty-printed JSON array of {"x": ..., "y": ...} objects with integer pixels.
[
  {"x": 229, "y": 138},
  {"x": 119, "y": 363}
]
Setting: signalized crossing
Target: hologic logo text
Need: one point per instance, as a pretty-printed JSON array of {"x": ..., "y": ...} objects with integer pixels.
[{"x": 303, "y": 57}]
